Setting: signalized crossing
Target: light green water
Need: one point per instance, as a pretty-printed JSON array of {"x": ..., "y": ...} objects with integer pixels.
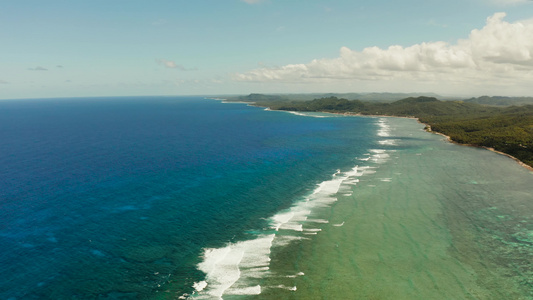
[{"x": 435, "y": 221}]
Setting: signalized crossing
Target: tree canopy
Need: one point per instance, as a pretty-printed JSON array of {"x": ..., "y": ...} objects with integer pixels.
[{"x": 506, "y": 129}]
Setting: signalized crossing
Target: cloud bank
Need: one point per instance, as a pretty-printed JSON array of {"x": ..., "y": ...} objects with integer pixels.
[{"x": 498, "y": 50}]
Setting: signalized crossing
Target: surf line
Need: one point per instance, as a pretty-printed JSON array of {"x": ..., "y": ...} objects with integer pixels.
[{"x": 237, "y": 268}]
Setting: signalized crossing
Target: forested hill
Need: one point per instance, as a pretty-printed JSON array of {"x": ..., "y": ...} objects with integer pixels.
[
  {"x": 501, "y": 101},
  {"x": 371, "y": 97},
  {"x": 506, "y": 129},
  {"x": 408, "y": 107}
]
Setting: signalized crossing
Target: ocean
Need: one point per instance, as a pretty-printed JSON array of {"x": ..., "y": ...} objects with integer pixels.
[
  {"x": 194, "y": 198},
  {"x": 120, "y": 197}
]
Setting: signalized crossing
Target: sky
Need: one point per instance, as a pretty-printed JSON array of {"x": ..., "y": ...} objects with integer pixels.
[{"x": 78, "y": 48}]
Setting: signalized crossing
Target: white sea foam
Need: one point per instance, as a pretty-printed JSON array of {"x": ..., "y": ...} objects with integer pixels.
[
  {"x": 291, "y": 220},
  {"x": 222, "y": 268},
  {"x": 322, "y": 196},
  {"x": 289, "y": 288},
  {"x": 312, "y": 115},
  {"x": 252, "y": 290},
  {"x": 322, "y": 221},
  {"x": 296, "y": 275},
  {"x": 294, "y": 227},
  {"x": 368, "y": 172},
  {"x": 297, "y": 113},
  {"x": 225, "y": 266},
  {"x": 280, "y": 219},
  {"x": 389, "y": 142},
  {"x": 384, "y": 128},
  {"x": 383, "y": 133},
  {"x": 237, "y": 269},
  {"x": 311, "y": 231},
  {"x": 328, "y": 188},
  {"x": 351, "y": 182},
  {"x": 200, "y": 286},
  {"x": 257, "y": 255},
  {"x": 379, "y": 155},
  {"x": 378, "y": 151}
]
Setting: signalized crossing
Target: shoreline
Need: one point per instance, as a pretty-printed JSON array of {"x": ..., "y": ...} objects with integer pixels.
[
  {"x": 427, "y": 129},
  {"x": 392, "y": 222},
  {"x": 389, "y": 223},
  {"x": 449, "y": 139}
]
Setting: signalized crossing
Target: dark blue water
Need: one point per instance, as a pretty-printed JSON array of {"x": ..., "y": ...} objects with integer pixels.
[{"x": 115, "y": 198}]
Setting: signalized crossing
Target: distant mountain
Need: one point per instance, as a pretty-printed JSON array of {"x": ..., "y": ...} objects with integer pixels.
[
  {"x": 500, "y": 100},
  {"x": 393, "y": 96},
  {"x": 259, "y": 98},
  {"x": 375, "y": 97}
]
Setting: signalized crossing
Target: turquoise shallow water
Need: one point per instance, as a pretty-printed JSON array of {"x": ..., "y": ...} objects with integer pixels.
[{"x": 427, "y": 220}]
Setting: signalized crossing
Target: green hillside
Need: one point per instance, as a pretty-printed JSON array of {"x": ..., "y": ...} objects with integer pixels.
[
  {"x": 370, "y": 97},
  {"x": 506, "y": 129},
  {"x": 501, "y": 101}
]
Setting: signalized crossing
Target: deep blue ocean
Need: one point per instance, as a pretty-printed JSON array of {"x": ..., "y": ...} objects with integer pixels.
[{"x": 116, "y": 198}]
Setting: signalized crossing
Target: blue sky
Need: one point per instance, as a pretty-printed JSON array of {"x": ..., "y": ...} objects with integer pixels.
[{"x": 74, "y": 48}]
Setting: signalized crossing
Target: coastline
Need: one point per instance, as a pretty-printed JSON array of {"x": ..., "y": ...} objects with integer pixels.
[
  {"x": 427, "y": 128},
  {"x": 449, "y": 139},
  {"x": 409, "y": 228}
]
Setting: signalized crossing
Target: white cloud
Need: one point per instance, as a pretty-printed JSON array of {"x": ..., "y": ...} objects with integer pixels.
[
  {"x": 498, "y": 50},
  {"x": 173, "y": 65},
  {"x": 252, "y": 1},
  {"x": 501, "y": 42}
]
